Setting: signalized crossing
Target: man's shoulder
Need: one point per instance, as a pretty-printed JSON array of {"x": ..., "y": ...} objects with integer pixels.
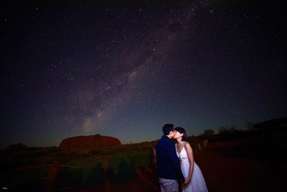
[
  {"x": 162, "y": 142},
  {"x": 162, "y": 139}
]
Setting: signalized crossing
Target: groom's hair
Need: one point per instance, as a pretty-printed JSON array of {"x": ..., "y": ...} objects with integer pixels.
[{"x": 166, "y": 128}]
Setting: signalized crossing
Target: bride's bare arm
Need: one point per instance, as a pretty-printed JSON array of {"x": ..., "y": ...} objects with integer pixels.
[{"x": 191, "y": 161}]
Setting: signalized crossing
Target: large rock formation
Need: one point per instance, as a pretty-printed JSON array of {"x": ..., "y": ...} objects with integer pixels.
[{"x": 84, "y": 144}]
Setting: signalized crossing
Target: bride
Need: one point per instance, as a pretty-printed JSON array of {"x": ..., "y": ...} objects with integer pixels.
[{"x": 194, "y": 180}]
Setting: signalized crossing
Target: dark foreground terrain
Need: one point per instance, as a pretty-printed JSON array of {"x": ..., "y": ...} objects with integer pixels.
[{"x": 247, "y": 161}]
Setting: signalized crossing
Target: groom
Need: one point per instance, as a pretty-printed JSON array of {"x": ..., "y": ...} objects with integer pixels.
[{"x": 167, "y": 162}]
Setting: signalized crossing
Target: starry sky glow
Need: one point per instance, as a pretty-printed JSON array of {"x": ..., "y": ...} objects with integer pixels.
[{"x": 69, "y": 70}]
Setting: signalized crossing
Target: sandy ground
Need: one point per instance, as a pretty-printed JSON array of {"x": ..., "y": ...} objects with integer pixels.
[
  {"x": 222, "y": 170},
  {"x": 223, "y": 173}
]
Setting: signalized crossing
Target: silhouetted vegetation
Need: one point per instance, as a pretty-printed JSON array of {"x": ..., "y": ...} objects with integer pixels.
[
  {"x": 36, "y": 169},
  {"x": 208, "y": 132}
]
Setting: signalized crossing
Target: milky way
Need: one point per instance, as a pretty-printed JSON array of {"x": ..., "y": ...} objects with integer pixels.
[{"x": 125, "y": 71}]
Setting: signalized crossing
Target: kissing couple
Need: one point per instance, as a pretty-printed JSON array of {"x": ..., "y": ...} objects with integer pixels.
[{"x": 175, "y": 165}]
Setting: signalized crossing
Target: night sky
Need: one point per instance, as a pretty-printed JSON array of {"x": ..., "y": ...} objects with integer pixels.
[{"x": 70, "y": 69}]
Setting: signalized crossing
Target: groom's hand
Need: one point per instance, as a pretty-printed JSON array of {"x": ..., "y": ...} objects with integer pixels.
[{"x": 183, "y": 184}]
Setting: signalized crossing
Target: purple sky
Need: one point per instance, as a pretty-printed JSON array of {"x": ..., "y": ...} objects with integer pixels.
[{"x": 81, "y": 69}]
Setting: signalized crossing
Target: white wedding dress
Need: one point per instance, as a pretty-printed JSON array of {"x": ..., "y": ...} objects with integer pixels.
[{"x": 197, "y": 183}]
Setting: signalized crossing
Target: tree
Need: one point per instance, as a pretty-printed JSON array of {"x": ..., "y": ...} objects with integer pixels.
[{"x": 208, "y": 132}]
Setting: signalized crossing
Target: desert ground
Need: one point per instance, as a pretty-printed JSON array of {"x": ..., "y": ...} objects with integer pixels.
[{"x": 242, "y": 162}]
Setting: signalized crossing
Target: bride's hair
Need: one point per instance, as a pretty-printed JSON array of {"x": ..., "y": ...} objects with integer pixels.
[{"x": 182, "y": 130}]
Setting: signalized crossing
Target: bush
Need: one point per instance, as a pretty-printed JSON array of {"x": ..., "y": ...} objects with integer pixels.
[
  {"x": 121, "y": 168},
  {"x": 126, "y": 171},
  {"x": 69, "y": 177},
  {"x": 94, "y": 175},
  {"x": 208, "y": 132}
]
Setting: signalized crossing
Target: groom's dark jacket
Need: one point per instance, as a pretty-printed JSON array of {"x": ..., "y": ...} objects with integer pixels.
[{"x": 167, "y": 162}]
